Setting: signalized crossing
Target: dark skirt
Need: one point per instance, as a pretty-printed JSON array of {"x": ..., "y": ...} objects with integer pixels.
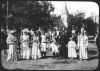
[{"x": 63, "y": 51}]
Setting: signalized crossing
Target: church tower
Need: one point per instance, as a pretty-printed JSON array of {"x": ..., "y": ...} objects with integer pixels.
[{"x": 65, "y": 15}]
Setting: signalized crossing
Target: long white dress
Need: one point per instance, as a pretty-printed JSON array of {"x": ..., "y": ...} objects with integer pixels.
[
  {"x": 35, "y": 48},
  {"x": 83, "y": 44},
  {"x": 12, "y": 47},
  {"x": 71, "y": 49},
  {"x": 25, "y": 46},
  {"x": 85, "y": 47}
]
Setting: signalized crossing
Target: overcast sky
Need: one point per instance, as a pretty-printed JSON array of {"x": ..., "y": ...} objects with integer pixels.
[{"x": 73, "y": 6}]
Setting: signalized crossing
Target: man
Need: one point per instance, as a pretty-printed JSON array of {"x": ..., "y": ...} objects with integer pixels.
[
  {"x": 11, "y": 41},
  {"x": 3, "y": 41},
  {"x": 43, "y": 44},
  {"x": 54, "y": 47}
]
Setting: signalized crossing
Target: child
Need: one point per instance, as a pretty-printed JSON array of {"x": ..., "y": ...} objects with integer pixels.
[{"x": 71, "y": 49}]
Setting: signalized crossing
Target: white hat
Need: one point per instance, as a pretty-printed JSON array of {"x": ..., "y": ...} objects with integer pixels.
[
  {"x": 73, "y": 31},
  {"x": 25, "y": 30},
  {"x": 12, "y": 31}
]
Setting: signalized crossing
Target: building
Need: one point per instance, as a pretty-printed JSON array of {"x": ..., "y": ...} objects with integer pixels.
[{"x": 61, "y": 20}]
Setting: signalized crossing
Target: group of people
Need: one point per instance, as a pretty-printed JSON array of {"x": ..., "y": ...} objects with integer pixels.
[
  {"x": 82, "y": 46},
  {"x": 31, "y": 46},
  {"x": 35, "y": 45}
]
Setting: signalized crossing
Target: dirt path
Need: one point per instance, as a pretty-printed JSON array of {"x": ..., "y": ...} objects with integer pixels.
[{"x": 56, "y": 64}]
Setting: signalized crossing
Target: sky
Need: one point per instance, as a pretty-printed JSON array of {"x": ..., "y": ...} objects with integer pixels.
[{"x": 90, "y": 8}]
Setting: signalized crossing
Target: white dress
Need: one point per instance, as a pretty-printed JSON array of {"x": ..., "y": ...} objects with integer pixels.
[
  {"x": 12, "y": 50},
  {"x": 35, "y": 48},
  {"x": 83, "y": 44},
  {"x": 25, "y": 46},
  {"x": 71, "y": 49},
  {"x": 85, "y": 47}
]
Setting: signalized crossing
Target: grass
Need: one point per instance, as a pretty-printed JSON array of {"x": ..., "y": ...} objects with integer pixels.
[{"x": 52, "y": 64}]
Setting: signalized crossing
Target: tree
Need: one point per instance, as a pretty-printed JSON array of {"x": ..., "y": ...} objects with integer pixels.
[
  {"x": 29, "y": 14},
  {"x": 76, "y": 21},
  {"x": 91, "y": 26}
]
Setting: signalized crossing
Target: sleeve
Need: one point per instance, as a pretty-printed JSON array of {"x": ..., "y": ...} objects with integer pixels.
[
  {"x": 7, "y": 40},
  {"x": 68, "y": 44},
  {"x": 24, "y": 38},
  {"x": 78, "y": 42},
  {"x": 74, "y": 44},
  {"x": 86, "y": 41}
]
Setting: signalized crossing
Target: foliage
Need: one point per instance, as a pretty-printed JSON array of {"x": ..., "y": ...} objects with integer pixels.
[
  {"x": 91, "y": 26},
  {"x": 78, "y": 20},
  {"x": 28, "y": 14}
]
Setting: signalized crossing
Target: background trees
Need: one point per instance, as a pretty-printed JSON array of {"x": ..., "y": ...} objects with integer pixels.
[
  {"x": 35, "y": 14},
  {"x": 28, "y": 14},
  {"x": 78, "y": 20},
  {"x": 91, "y": 26}
]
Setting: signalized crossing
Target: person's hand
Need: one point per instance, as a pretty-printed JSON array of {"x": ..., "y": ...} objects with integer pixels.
[{"x": 77, "y": 47}]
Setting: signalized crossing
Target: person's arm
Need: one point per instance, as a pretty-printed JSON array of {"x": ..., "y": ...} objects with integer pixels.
[
  {"x": 74, "y": 44},
  {"x": 68, "y": 44},
  {"x": 78, "y": 44},
  {"x": 8, "y": 40},
  {"x": 87, "y": 42}
]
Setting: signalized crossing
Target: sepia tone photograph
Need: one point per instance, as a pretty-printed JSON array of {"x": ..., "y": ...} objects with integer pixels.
[{"x": 49, "y": 35}]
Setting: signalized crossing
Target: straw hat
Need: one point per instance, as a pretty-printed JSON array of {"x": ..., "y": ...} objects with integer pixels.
[
  {"x": 25, "y": 30},
  {"x": 12, "y": 32}
]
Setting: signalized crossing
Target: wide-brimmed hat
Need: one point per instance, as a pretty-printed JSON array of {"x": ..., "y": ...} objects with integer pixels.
[
  {"x": 25, "y": 30},
  {"x": 12, "y": 31}
]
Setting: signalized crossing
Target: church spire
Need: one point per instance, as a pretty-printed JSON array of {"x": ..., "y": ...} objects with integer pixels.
[
  {"x": 66, "y": 10},
  {"x": 65, "y": 15}
]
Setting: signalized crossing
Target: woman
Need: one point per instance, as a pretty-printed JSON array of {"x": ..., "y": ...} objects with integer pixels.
[
  {"x": 71, "y": 49},
  {"x": 83, "y": 44},
  {"x": 35, "y": 47},
  {"x": 11, "y": 41},
  {"x": 25, "y": 45}
]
